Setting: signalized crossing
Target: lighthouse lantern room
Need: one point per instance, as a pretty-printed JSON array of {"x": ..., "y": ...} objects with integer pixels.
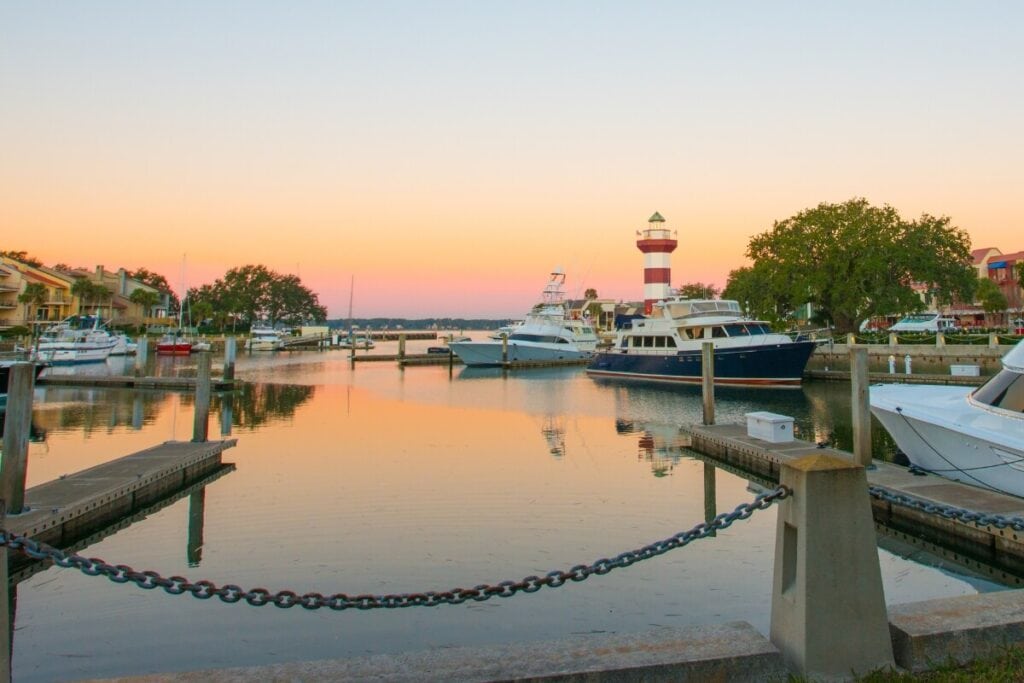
[{"x": 657, "y": 244}]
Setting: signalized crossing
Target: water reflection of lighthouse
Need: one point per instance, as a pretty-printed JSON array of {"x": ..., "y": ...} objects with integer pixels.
[{"x": 659, "y": 444}]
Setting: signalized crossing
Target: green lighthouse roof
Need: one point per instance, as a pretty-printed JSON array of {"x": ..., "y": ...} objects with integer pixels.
[{"x": 656, "y": 218}]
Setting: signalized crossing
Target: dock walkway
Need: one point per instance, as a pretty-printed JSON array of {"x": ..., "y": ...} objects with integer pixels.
[
  {"x": 897, "y": 377},
  {"x": 990, "y": 548},
  {"x": 189, "y": 383},
  {"x": 61, "y": 510}
]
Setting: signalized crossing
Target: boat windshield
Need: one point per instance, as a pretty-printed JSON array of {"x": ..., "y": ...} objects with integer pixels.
[
  {"x": 545, "y": 338},
  {"x": 746, "y": 329},
  {"x": 1005, "y": 390}
]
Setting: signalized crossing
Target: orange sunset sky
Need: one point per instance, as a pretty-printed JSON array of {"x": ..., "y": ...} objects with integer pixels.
[{"x": 448, "y": 155}]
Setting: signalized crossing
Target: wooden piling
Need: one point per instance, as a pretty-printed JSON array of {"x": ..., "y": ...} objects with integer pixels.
[
  {"x": 401, "y": 347},
  {"x": 6, "y": 621},
  {"x": 196, "y": 518},
  {"x": 504, "y": 348},
  {"x": 230, "y": 351},
  {"x": 707, "y": 370},
  {"x": 141, "y": 354},
  {"x": 227, "y": 414},
  {"x": 17, "y": 426},
  {"x": 710, "y": 495},
  {"x": 861, "y": 409},
  {"x": 200, "y": 424}
]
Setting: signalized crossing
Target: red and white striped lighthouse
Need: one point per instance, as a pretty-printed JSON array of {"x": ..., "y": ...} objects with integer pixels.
[{"x": 657, "y": 244}]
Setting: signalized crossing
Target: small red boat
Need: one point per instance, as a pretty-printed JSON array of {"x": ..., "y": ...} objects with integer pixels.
[{"x": 173, "y": 344}]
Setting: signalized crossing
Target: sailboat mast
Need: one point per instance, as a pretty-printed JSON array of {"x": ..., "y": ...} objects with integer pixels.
[{"x": 351, "y": 288}]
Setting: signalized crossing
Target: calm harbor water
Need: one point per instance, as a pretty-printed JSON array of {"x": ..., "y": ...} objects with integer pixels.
[{"x": 376, "y": 480}]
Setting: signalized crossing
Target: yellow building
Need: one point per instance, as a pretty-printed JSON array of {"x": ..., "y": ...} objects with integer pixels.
[
  {"x": 118, "y": 308},
  {"x": 56, "y": 302}
]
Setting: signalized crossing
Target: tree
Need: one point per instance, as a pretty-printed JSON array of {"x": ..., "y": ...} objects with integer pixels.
[
  {"x": 750, "y": 286},
  {"x": 253, "y": 293},
  {"x": 990, "y": 297},
  {"x": 146, "y": 298},
  {"x": 33, "y": 296},
  {"x": 156, "y": 281},
  {"x": 89, "y": 292},
  {"x": 698, "y": 290},
  {"x": 23, "y": 257},
  {"x": 855, "y": 261},
  {"x": 591, "y": 293}
]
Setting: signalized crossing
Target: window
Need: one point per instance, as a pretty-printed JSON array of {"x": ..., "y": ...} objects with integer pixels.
[{"x": 1005, "y": 390}]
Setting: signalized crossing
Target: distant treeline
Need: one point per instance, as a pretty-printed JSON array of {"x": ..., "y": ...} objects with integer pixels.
[{"x": 420, "y": 324}]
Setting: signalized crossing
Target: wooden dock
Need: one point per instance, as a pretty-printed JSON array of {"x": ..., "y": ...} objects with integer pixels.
[
  {"x": 987, "y": 549},
  {"x": 896, "y": 378},
  {"x": 65, "y": 509},
  {"x": 185, "y": 383},
  {"x": 23, "y": 568}
]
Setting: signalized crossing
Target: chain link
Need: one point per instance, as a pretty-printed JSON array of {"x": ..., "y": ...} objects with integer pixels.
[
  {"x": 257, "y": 597},
  {"x": 948, "y": 511}
]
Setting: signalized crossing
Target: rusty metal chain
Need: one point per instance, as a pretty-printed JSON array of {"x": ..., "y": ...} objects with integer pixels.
[{"x": 230, "y": 593}]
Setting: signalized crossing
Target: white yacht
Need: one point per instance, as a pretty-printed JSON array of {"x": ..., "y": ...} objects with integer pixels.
[
  {"x": 263, "y": 338},
  {"x": 77, "y": 339},
  {"x": 667, "y": 347},
  {"x": 547, "y": 334},
  {"x": 355, "y": 340},
  {"x": 973, "y": 435},
  {"x": 124, "y": 345},
  {"x": 505, "y": 330}
]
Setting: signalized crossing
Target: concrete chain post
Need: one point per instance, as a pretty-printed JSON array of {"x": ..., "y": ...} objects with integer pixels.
[{"x": 829, "y": 618}]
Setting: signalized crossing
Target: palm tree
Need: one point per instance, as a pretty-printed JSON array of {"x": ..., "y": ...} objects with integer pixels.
[
  {"x": 88, "y": 292},
  {"x": 35, "y": 295}
]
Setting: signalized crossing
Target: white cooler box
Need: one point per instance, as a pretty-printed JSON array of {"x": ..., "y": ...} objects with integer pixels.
[{"x": 770, "y": 427}]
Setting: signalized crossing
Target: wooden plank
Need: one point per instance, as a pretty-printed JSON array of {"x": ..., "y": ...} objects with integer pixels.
[
  {"x": 217, "y": 384},
  {"x": 23, "y": 567},
  {"x": 896, "y": 378},
  {"x": 74, "y": 496},
  {"x": 1003, "y": 548}
]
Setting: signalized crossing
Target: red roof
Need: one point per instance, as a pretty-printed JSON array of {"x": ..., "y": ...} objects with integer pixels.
[
  {"x": 978, "y": 254},
  {"x": 1015, "y": 256}
]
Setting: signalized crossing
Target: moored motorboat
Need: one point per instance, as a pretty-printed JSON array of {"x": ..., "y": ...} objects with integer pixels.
[
  {"x": 77, "y": 339},
  {"x": 176, "y": 343},
  {"x": 263, "y": 338},
  {"x": 667, "y": 347},
  {"x": 972, "y": 435},
  {"x": 355, "y": 341},
  {"x": 547, "y": 334},
  {"x": 505, "y": 330},
  {"x": 124, "y": 345}
]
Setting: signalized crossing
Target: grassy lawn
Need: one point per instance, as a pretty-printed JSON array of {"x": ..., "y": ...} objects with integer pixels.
[{"x": 1005, "y": 667}]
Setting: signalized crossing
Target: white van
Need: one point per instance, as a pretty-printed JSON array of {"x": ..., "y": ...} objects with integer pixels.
[{"x": 924, "y": 322}]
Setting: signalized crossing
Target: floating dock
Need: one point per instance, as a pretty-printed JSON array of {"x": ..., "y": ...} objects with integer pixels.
[
  {"x": 986, "y": 549},
  {"x": 187, "y": 383},
  {"x": 62, "y": 511},
  {"x": 896, "y": 378}
]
